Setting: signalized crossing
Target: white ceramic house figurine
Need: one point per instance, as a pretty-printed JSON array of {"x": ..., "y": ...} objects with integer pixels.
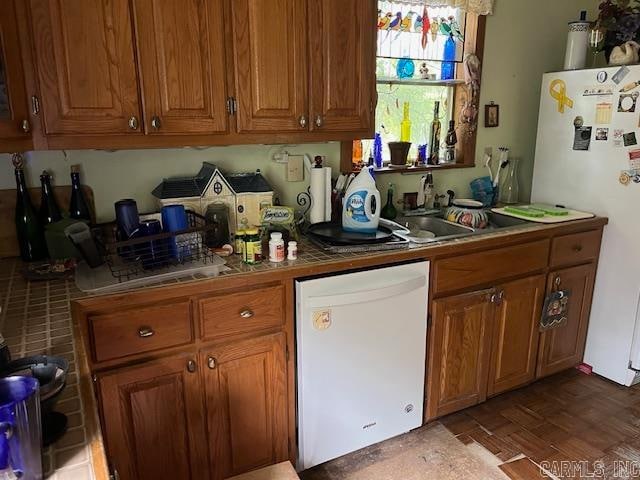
[
  {"x": 625, "y": 54},
  {"x": 244, "y": 193}
]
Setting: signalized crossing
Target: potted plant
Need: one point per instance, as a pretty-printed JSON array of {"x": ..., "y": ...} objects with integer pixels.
[{"x": 620, "y": 22}]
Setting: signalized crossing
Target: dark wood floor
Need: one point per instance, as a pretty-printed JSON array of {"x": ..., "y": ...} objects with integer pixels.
[{"x": 573, "y": 425}]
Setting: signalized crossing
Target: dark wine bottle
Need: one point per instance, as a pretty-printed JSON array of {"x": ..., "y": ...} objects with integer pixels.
[
  {"x": 49, "y": 210},
  {"x": 389, "y": 211},
  {"x": 28, "y": 229},
  {"x": 434, "y": 138},
  {"x": 78, "y": 207}
]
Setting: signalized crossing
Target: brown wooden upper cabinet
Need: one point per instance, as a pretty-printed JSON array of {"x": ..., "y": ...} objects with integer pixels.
[
  {"x": 14, "y": 113},
  {"x": 342, "y": 64},
  {"x": 84, "y": 55},
  {"x": 270, "y": 65},
  {"x": 182, "y": 65}
]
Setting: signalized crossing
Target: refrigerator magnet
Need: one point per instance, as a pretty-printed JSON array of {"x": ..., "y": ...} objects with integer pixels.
[
  {"x": 602, "y": 76},
  {"x": 558, "y": 91},
  {"x": 634, "y": 159},
  {"x": 624, "y": 178},
  {"x": 604, "y": 110},
  {"x": 599, "y": 91},
  {"x": 602, "y": 134},
  {"x": 620, "y": 74},
  {"x": 627, "y": 102},
  {"x": 629, "y": 139},
  {"x": 582, "y": 138},
  {"x": 617, "y": 137}
]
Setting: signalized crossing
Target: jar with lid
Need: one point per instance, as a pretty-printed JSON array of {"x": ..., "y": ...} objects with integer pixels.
[
  {"x": 239, "y": 241},
  {"x": 252, "y": 250},
  {"x": 276, "y": 247}
]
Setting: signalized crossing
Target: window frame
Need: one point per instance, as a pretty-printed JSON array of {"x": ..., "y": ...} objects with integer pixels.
[{"x": 474, "y": 36}]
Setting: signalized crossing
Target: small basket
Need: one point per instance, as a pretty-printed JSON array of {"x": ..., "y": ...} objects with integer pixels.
[{"x": 136, "y": 257}]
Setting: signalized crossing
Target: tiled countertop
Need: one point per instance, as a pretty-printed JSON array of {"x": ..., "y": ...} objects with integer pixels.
[{"x": 36, "y": 319}]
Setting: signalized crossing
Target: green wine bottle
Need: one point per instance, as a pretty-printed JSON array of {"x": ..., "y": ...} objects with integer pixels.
[
  {"x": 389, "y": 211},
  {"x": 78, "y": 207},
  {"x": 29, "y": 230}
]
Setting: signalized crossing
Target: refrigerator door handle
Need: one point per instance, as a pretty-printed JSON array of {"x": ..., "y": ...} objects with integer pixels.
[{"x": 365, "y": 296}]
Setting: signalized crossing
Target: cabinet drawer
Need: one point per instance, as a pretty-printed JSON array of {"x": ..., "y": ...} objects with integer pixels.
[
  {"x": 241, "y": 312},
  {"x": 483, "y": 268},
  {"x": 575, "y": 248},
  {"x": 119, "y": 334}
]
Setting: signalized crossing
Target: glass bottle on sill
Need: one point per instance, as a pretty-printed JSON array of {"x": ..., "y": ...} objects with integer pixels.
[
  {"x": 405, "y": 125},
  {"x": 434, "y": 137},
  {"x": 389, "y": 211},
  {"x": 447, "y": 69},
  {"x": 451, "y": 140}
]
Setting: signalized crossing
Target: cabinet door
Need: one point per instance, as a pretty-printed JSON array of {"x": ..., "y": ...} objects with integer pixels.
[
  {"x": 563, "y": 347},
  {"x": 182, "y": 65},
  {"x": 342, "y": 59},
  {"x": 270, "y": 63},
  {"x": 86, "y": 67},
  {"x": 154, "y": 420},
  {"x": 515, "y": 334},
  {"x": 14, "y": 113},
  {"x": 246, "y": 387},
  {"x": 459, "y": 348}
]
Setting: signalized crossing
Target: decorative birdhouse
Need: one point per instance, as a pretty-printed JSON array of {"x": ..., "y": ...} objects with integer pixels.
[{"x": 244, "y": 193}]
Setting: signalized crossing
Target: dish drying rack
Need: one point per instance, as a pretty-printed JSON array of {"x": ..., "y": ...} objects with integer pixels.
[{"x": 156, "y": 254}]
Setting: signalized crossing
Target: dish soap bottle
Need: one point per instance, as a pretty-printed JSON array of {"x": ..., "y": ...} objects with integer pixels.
[
  {"x": 389, "y": 211},
  {"x": 361, "y": 208}
]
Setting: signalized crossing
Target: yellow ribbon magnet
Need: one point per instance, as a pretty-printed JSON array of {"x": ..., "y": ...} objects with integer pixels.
[{"x": 558, "y": 90}]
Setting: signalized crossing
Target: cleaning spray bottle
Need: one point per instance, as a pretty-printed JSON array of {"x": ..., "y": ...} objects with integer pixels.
[{"x": 361, "y": 208}]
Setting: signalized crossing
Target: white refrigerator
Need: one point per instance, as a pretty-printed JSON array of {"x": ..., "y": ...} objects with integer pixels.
[{"x": 588, "y": 158}]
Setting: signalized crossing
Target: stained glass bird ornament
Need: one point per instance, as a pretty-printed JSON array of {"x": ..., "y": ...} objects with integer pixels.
[
  {"x": 435, "y": 28},
  {"x": 426, "y": 26}
]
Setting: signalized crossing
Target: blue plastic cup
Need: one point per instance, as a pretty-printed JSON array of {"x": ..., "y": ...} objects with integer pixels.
[
  {"x": 174, "y": 219},
  {"x": 127, "y": 218},
  {"x": 153, "y": 253}
]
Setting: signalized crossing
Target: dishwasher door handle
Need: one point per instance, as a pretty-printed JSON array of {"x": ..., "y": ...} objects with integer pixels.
[{"x": 364, "y": 296}]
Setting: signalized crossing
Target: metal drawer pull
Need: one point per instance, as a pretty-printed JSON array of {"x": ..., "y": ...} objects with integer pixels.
[
  {"x": 144, "y": 332},
  {"x": 133, "y": 123},
  {"x": 155, "y": 122},
  {"x": 246, "y": 313},
  {"x": 577, "y": 248},
  {"x": 211, "y": 363},
  {"x": 303, "y": 121},
  {"x": 319, "y": 121},
  {"x": 191, "y": 366}
]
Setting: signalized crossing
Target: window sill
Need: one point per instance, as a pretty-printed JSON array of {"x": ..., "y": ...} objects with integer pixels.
[
  {"x": 422, "y": 169},
  {"x": 418, "y": 81}
]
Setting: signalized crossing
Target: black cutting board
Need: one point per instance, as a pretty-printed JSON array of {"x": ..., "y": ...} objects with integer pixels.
[{"x": 334, "y": 234}]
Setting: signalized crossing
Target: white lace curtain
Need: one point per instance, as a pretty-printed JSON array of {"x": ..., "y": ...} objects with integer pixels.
[{"x": 479, "y": 7}]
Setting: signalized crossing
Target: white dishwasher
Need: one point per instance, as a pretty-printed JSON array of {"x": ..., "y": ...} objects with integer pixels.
[{"x": 361, "y": 343}]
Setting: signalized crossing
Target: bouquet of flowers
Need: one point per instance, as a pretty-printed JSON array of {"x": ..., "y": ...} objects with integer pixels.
[{"x": 621, "y": 20}]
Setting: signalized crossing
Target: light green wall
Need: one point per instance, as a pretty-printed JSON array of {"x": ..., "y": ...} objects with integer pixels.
[{"x": 524, "y": 39}]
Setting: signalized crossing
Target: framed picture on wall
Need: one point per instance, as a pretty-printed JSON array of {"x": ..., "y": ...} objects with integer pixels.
[{"x": 491, "y": 115}]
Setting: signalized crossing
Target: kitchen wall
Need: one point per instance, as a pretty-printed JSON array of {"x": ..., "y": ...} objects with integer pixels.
[{"x": 523, "y": 41}]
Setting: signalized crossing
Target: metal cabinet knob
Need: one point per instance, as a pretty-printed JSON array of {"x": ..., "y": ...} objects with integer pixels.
[
  {"x": 191, "y": 366},
  {"x": 25, "y": 126},
  {"x": 303, "y": 121},
  {"x": 246, "y": 313},
  {"x": 155, "y": 122},
  {"x": 211, "y": 363},
  {"x": 145, "y": 332},
  {"x": 319, "y": 121},
  {"x": 133, "y": 123},
  {"x": 577, "y": 248}
]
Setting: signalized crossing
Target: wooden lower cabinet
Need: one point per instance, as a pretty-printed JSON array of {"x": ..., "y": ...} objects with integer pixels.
[
  {"x": 515, "y": 334},
  {"x": 563, "y": 347},
  {"x": 210, "y": 416},
  {"x": 459, "y": 352},
  {"x": 154, "y": 420},
  {"x": 246, "y": 397}
]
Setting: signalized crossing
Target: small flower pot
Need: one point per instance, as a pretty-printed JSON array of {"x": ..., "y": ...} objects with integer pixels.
[{"x": 399, "y": 152}]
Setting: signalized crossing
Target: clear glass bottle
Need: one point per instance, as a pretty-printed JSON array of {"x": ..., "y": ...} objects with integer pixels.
[
  {"x": 510, "y": 189},
  {"x": 434, "y": 137}
]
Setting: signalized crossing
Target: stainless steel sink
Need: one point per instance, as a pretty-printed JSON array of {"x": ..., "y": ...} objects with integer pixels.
[
  {"x": 439, "y": 228},
  {"x": 498, "y": 222}
]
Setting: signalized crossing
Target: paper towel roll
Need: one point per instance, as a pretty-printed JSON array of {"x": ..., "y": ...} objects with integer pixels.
[
  {"x": 327, "y": 194},
  {"x": 318, "y": 193}
]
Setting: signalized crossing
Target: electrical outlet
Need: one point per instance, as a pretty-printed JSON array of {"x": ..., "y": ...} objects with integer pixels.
[
  {"x": 488, "y": 151},
  {"x": 295, "y": 168}
]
